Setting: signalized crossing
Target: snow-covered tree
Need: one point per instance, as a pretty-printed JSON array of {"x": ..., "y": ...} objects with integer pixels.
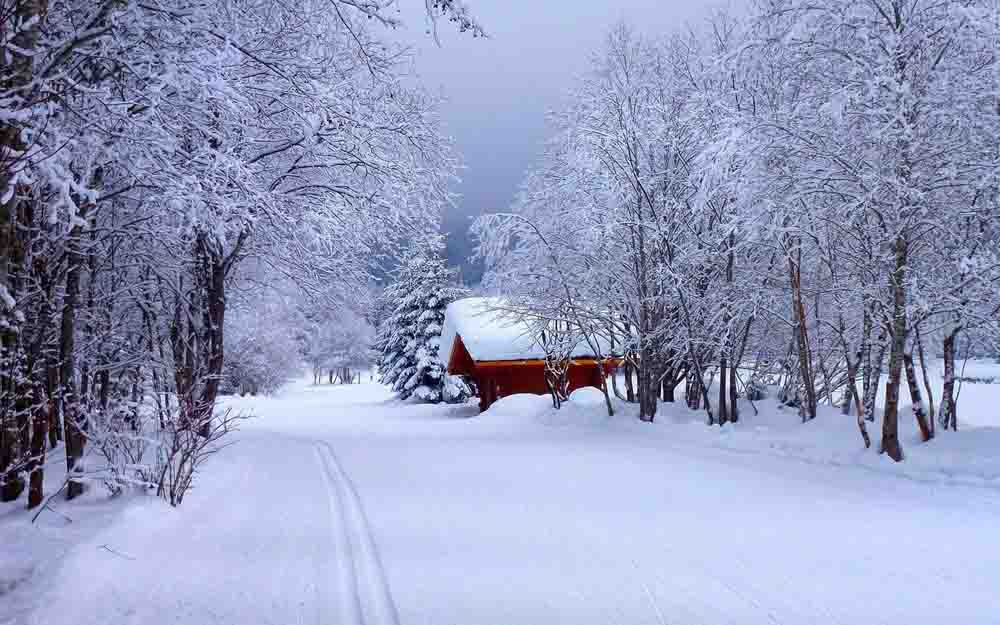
[
  {"x": 147, "y": 151},
  {"x": 805, "y": 193},
  {"x": 410, "y": 336}
]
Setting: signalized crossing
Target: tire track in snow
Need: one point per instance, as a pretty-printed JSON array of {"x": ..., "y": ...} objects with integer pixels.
[{"x": 365, "y": 592}]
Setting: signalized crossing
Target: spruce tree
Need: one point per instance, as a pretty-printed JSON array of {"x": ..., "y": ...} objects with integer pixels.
[{"x": 410, "y": 336}]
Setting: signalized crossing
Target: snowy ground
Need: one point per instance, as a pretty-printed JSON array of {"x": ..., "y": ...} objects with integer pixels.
[{"x": 339, "y": 505}]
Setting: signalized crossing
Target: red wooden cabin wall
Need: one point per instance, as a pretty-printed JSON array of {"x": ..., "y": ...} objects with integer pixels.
[{"x": 498, "y": 381}]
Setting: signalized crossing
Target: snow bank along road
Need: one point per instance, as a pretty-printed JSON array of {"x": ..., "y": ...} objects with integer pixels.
[{"x": 339, "y": 506}]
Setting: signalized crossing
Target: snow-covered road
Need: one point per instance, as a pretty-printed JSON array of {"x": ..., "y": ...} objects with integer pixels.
[{"x": 339, "y": 506}]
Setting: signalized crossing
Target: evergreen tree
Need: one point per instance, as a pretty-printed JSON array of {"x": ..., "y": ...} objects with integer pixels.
[{"x": 410, "y": 336}]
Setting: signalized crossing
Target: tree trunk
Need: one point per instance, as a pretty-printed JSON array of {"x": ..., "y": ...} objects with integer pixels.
[
  {"x": 72, "y": 415},
  {"x": 723, "y": 392},
  {"x": 734, "y": 410},
  {"x": 926, "y": 378},
  {"x": 16, "y": 65},
  {"x": 104, "y": 389},
  {"x": 949, "y": 406},
  {"x": 51, "y": 386},
  {"x": 915, "y": 397},
  {"x": 692, "y": 390},
  {"x": 866, "y": 362},
  {"x": 36, "y": 466},
  {"x": 731, "y": 411},
  {"x": 669, "y": 395},
  {"x": 669, "y": 386},
  {"x": 890, "y": 419},
  {"x": 603, "y": 385},
  {"x": 629, "y": 387},
  {"x": 12, "y": 484},
  {"x": 648, "y": 387},
  {"x": 852, "y": 385},
  {"x": 214, "y": 340},
  {"x": 808, "y": 406},
  {"x": 614, "y": 385},
  {"x": 872, "y": 379}
]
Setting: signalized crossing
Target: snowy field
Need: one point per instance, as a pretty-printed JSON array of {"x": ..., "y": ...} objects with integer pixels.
[{"x": 341, "y": 506}]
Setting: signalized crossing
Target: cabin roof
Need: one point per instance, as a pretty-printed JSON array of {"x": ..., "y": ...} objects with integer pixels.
[{"x": 491, "y": 334}]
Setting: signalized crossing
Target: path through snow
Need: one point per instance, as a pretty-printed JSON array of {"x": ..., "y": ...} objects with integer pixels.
[{"x": 340, "y": 506}]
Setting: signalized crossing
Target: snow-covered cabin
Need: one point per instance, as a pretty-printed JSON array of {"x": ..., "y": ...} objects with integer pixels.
[{"x": 481, "y": 341}]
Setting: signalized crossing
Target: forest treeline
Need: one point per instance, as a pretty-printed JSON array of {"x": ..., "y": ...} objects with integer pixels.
[
  {"x": 162, "y": 165},
  {"x": 804, "y": 194}
]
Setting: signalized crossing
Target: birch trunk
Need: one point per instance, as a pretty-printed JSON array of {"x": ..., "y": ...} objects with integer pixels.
[
  {"x": 949, "y": 405},
  {"x": 916, "y": 398},
  {"x": 927, "y": 380}
]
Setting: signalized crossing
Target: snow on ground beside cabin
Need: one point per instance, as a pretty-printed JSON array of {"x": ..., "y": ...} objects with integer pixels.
[{"x": 341, "y": 505}]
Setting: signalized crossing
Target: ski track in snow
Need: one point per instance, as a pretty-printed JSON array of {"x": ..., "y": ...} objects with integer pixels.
[
  {"x": 505, "y": 520},
  {"x": 363, "y": 586}
]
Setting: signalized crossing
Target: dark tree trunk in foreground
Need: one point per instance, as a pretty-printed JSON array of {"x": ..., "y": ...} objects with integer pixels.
[
  {"x": 723, "y": 392},
  {"x": 16, "y": 66},
  {"x": 734, "y": 410},
  {"x": 12, "y": 484},
  {"x": 72, "y": 413},
  {"x": 36, "y": 466},
  {"x": 629, "y": 387},
  {"x": 890, "y": 419},
  {"x": 669, "y": 383},
  {"x": 216, "y": 318},
  {"x": 648, "y": 385}
]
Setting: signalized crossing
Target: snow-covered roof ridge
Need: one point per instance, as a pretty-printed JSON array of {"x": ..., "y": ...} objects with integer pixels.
[{"x": 491, "y": 331}]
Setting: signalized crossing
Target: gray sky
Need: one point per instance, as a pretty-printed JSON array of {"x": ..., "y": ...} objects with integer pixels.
[{"x": 499, "y": 89}]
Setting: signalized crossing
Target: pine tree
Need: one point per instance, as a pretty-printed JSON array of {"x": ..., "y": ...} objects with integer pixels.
[{"x": 410, "y": 336}]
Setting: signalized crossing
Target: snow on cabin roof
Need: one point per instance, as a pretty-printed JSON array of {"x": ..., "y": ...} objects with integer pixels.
[{"x": 490, "y": 333}]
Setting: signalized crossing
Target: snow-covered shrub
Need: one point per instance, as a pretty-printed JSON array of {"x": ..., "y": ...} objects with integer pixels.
[
  {"x": 143, "y": 446},
  {"x": 183, "y": 447},
  {"x": 123, "y": 440},
  {"x": 456, "y": 389}
]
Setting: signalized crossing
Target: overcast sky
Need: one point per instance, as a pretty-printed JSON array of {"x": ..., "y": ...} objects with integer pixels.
[{"x": 499, "y": 89}]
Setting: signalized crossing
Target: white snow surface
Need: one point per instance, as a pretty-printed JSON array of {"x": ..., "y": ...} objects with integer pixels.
[
  {"x": 490, "y": 332},
  {"x": 339, "y": 505}
]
